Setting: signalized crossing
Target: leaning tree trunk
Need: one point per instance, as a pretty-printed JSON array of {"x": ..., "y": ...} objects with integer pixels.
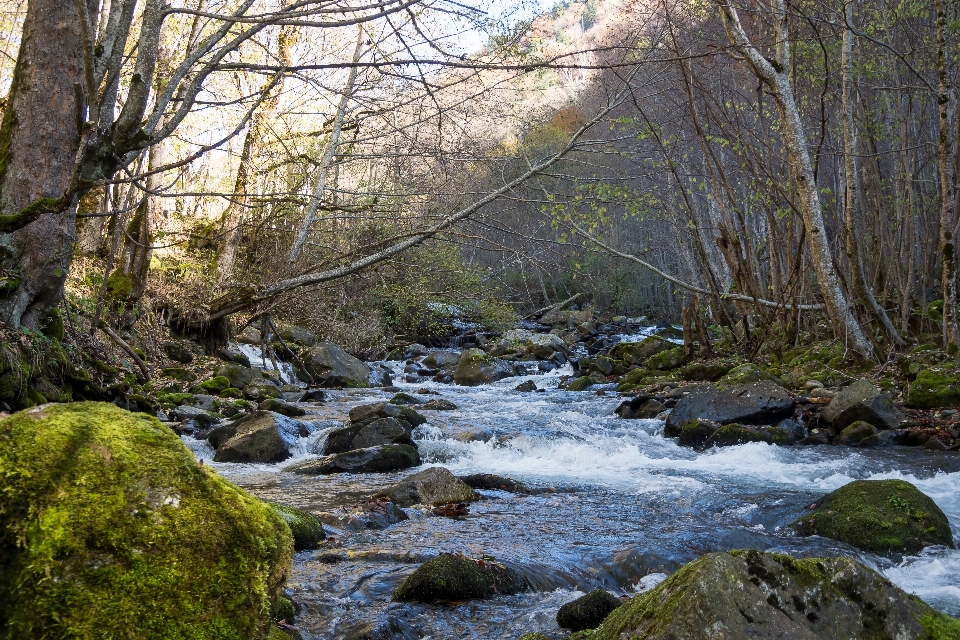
[{"x": 39, "y": 138}]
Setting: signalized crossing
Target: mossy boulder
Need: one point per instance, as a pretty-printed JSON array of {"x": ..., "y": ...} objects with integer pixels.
[
  {"x": 434, "y": 486},
  {"x": 853, "y": 435},
  {"x": 666, "y": 360},
  {"x": 405, "y": 398},
  {"x": 758, "y": 403},
  {"x": 476, "y": 367},
  {"x": 704, "y": 371},
  {"x": 881, "y": 516},
  {"x": 730, "y": 435},
  {"x": 638, "y": 352},
  {"x": 261, "y": 390},
  {"x": 634, "y": 380},
  {"x": 745, "y": 374},
  {"x": 110, "y": 528},
  {"x": 587, "y": 612},
  {"x": 216, "y": 385},
  {"x": 580, "y": 384},
  {"x": 327, "y": 365},
  {"x": 283, "y": 408},
  {"x": 178, "y": 373},
  {"x": 455, "y": 577},
  {"x": 752, "y": 594},
  {"x": 262, "y": 436},
  {"x": 238, "y": 375},
  {"x": 932, "y": 389},
  {"x": 306, "y": 528}
]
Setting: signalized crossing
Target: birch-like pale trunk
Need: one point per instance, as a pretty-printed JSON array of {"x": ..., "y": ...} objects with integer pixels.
[
  {"x": 850, "y": 206},
  {"x": 951, "y": 327},
  {"x": 775, "y": 74},
  {"x": 321, "y": 182}
]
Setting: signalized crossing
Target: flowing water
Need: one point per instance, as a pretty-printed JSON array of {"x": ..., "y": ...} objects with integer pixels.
[{"x": 622, "y": 506}]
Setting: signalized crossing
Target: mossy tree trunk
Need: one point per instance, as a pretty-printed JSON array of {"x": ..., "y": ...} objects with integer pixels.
[{"x": 39, "y": 138}]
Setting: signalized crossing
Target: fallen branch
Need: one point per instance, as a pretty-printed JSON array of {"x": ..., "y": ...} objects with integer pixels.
[
  {"x": 558, "y": 305},
  {"x": 130, "y": 352}
]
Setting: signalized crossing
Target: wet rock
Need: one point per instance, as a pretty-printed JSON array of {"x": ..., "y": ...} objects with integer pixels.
[
  {"x": 640, "y": 408},
  {"x": 177, "y": 352},
  {"x": 380, "y": 376},
  {"x": 438, "y": 405},
  {"x": 746, "y": 374},
  {"x": 434, "y": 486},
  {"x": 815, "y": 437},
  {"x": 542, "y": 346},
  {"x": 216, "y": 385},
  {"x": 490, "y": 481},
  {"x": 204, "y": 401},
  {"x": 756, "y": 403},
  {"x": 313, "y": 395},
  {"x": 283, "y": 408},
  {"x": 373, "y": 513},
  {"x": 862, "y": 401},
  {"x": 935, "y": 444},
  {"x": 201, "y": 417},
  {"x": 306, "y": 528},
  {"x": 881, "y": 516},
  {"x": 411, "y": 417},
  {"x": 441, "y": 359},
  {"x": 124, "y": 527},
  {"x": 587, "y": 612},
  {"x": 695, "y": 433},
  {"x": 369, "y": 433},
  {"x": 451, "y": 510},
  {"x": 704, "y": 371},
  {"x": 580, "y": 384},
  {"x": 474, "y": 434},
  {"x": 232, "y": 354},
  {"x": 526, "y": 386},
  {"x": 855, "y": 433},
  {"x": 238, "y": 375},
  {"x": 298, "y": 335},
  {"x": 476, "y": 367},
  {"x": 373, "y": 411},
  {"x": 453, "y": 577},
  {"x": 730, "y": 435},
  {"x": 390, "y": 457},
  {"x": 752, "y": 594},
  {"x": 638, "y": 352},
  {"x": 932, "y": 389},
  {"x": 262, "y": 436},
  {"x": 328, "y": 365},
  {"x": 405, "y": 398},
  {"x": 261, "y": 390},
  {"x": 666, "y": 360}
]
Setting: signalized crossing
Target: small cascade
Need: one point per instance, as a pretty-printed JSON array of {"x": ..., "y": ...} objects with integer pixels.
[{"x": 258, "y": 360}]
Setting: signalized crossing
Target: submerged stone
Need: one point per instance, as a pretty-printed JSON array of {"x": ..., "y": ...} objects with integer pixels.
[
  {"x": 587, "y": 612},
  {"x": 390, "y": 457},
  {"x": 881, "y": 516},
  {"x": 306, "y": 528},
  {"x": 110, "y": 529},
  {"x": 434, "y": 486}
]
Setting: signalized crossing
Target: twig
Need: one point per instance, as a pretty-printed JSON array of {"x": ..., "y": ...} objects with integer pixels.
[{"x": 123, "y": 345}]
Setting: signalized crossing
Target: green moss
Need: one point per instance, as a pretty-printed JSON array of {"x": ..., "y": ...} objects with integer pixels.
[
  {"x": 119, "y": 286},
  {"x": 53, "y": 327},
  {"x": 580, "y": 384},
  {"x": 871, "y": 515},
  {"x": 110, "y": 529},
  {"x": 178, "y": 373},
  {"x": 940, "y": 626},
  {"x": 666, "y": 360},
  {"x": 456, "y": 577},
  {"x": 231, "y": 392},
  {"x": 933, "y": 389},
  {"x": 412, "y": 417},
  {"x": 176, "y": 399},
  {"x": 745, "y": 374},
  {"x": 272, "y": 404},
  {"x": 216, "y": 385},
  {"x": 284, "y": 609}
]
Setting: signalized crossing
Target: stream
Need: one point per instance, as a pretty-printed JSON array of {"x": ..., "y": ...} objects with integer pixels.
[{"x": 622, "y": 507}]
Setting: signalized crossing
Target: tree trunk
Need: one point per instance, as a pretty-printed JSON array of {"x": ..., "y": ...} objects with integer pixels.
[
  {"x": 39, "y": 138},
  {"x": 951, "y": 327},
  {"x": 777, "y": 79}
]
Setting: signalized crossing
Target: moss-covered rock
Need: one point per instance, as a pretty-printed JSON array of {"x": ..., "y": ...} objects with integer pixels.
[
  {"x": 704, "y": 371},
  {"x": 455, "y": 577},
  {"x": 854, "y": 434},
  {"x": 178, "y": 373},
  {"x": 638, "y": 352},
  {"x": 216, "y": 385},
  {"x": 238, "y": 375},
  {"x": 587, "y": 612},
  {"x": 933, "y": 389},
  {"x": 752, "y": 594},
  {"x": 730, "y": 435},
  {"x": 412, "y": 417},
  {"x": 109, "y": 528},
  {"x": 666, "y": 360},
  {"x": 580, "y": 384},
  {"x": 881, "y": 516},
  {"x": 261, "y": 390},
  {"x": 283, "y": 408},
  {"x": 745, "y": 374},
  {"x": 306, "y": 528},
  {"x": 476, "y": 367},
  {"x": 434, "y": 486}
]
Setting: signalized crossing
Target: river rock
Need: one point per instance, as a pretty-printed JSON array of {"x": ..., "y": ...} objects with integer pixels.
[
  {"x": 755, "y": 403},
  {"x": 638, "y": 352},
  {"x": 380, "y": 376},
  {"x": 238, "y": 375},
  {"x": 389, "y": 457},
  {"x": 587, "y": 612},
  {"x": 262, "y": 436},
  {"x": 232, "y": 354},
  {"x": 298, "y": 335},
  {"x": 434, "y": 486},
  {"x": 283, "y": 408},
  {"x": 640, "y": 408},
  {"x": 934, "y": 388},
  {"x": 306, "y": 528},
  {"x": 862, "y": 401},
  {"x": 441, "y": 359},
  {"x": 768, "y": 596},
  {"x": 369, "y": 433},
  {"x": 405, "y": 398},
  {"x": 177, "y": 352},
  {"x": 201, "y": 417},
  {"x": 261, "y": 389},
  {"x": 730, "y": 435},
  {"x": 476, "y": 367},
  {"x": 373, "y": 513},
  {"x": 365, "y": 412},
  {"x": 853, "y": 435},
  {"x": 249, "y": 335},
  {"x": 494, "y": 482},
  {"x": 328, "y": 365},
  {"x": 454, "y": 577},
  {"x": 108, "y": 525},
  {"x": 438, "y": 405},
  {"x": 881, "y": 516},
  {"x": 543, "y": 346},
  {"x": 526, "y": 386},
  {"x": 746, "y": 374}
]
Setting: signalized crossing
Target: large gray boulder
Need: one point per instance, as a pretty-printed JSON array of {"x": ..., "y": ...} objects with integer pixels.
[
  {"x": 756, "y": 403},
  {"x": 767, "y": 596},
  {"x": 262, "y": 436},
  {"x": 388, "y": 457},
  {"x": 862, "y": 401},
  {"x": 434, "y": 486},
  {"x": 238, "y": 375},
  {"x": 298, "y": 335},
  {"x": 371, "y": 434},
  {"x": 330, "y": 366},
  {"x": 441, "y": 359},
  {"x": 543, "y": 346},
  {"x": 476, "y": 367}
]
